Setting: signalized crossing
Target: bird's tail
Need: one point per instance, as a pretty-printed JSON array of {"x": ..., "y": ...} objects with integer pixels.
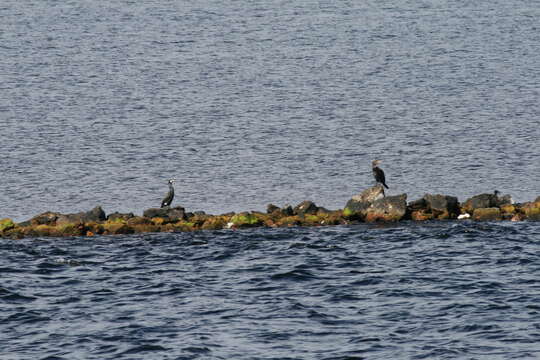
[{"x": 385, "y": 186}]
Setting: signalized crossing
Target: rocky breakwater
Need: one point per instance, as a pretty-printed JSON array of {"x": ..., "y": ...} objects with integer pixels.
[{"x": 369, "y": 206}]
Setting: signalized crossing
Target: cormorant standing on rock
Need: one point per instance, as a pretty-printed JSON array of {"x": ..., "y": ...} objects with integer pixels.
[
  {"x": 378, "y": 174},
  {"x": 170, "y": 195}
]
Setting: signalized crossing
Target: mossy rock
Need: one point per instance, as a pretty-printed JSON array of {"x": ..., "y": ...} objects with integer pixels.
[
  {"x": 421, "y": 215},
  {"x": 6, "y": 224},
  {"x": 147, "y": 228},
  {"x": 215, "y": 223},
  {"x": 289, "y": 221},
  {"x": 310, "y": 220},
  {"x": 245, "y": 219},
  {"x": 184, "y": 226},
  {"x": 348, "y": 213},
  {"x": 332, "y": 218},
  {"x": 117, "y": 229},
  {"x": 159, "y": 221},
  {"x": 508, "y": 209},
  {"x": 533, "y": 214},
  {"x": 487, "y": 214},
  {"x": 94, "y": 228},
  {"x": 68, "y": 229},
  {"x": 139, "y": 220}
]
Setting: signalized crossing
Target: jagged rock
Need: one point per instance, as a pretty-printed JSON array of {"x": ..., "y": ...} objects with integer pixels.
[
  {"x": 357, "y": 206},
  {"x": 6, "y": 224},
  {"x": 487, "y": 214},
  {"x": 370, "y": 205},
  {"x": 119, "y": 216},
  {"x": 442, "y": 206},
  {"x": 390, "y": 208},
  {"x": 287, "y": 210},
  {"x": 46, "y": 218},
  {"x": 271, "y": 208},
  {"x": 171, "y": 214},
  {"x": 532, "y": 209},
  {"x": 418, "y": 205},
  {"x": 481, "y": 201},
  {"x": 94, "y": 215},
  {"x": 139, "y": 220},
  {"x": 486, "y": 201},
  {"x": 370, "y": 195},
  {"x": 244, "y": 219},
  {"x": 306, "y": 207}
]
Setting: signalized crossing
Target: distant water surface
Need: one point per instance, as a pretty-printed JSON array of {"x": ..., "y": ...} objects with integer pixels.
[{"x": 247, "y": 103}]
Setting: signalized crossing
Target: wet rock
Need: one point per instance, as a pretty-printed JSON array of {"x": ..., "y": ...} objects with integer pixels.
[
  {"x": 46, "y": 218},
  {"x": 288, "y": 221},
  {"x": 418, "y": 205},
  {"x": 117, "y": 229},
  {"x": 287, "y": 210},
  {"x": 356, "y": 207},
  {"x": 421, "y": 215},
  {"x": 531, "y": 210},
  {"x": 390, "y": 208},
  {"x": 215, "y": 223},
  {"x": 245, "y": 219},
  {"x": 171, "y": 214},
  {"x": 305, "y": 207},
  {"x": 120, "y": 216},
  {"x": 270, "y": 208},
  {"x": 442, "y": 206},
  {"x": 95, "y": 215},
  {"x": 6, "y": 224},
  {"x": 370, "y": 195},
  {"x": 486, "y": 201},
  {"x": 139, "y": 220},
  {"x": 487, "y": 214}
]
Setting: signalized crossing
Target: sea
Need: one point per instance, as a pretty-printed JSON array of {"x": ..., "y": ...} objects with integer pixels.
[{"x": 246, "y": 103}]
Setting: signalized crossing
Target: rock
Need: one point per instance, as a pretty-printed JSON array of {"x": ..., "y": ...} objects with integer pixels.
[
  {"x": 171, "y": 214},
  {"x": 119, "y": 216},
  {"x": 390, "y": 208},
  {"x": 442, "y": 206},
  {"x": 139, "y": 220},
  {"x": 47, "y": 218},
  {"x": 287, "y": 210},
  {"x": 357, "y": 206},
  {"x": 417, "y": 205},
  {"x": 215, "y": 223},
  {"x": 271, "y": 208},
  {"x": 306, "y": 207},
  {"x": 6, "y": 224},
  {"x": 487, "y": 214},
  {"x": 94, "y": 215},
  {"x": 486, "y": 201},
  {"x": 371, "y": 206},
  {"x": 531, "y": 210},
  {"x": 117, "y": 229},
  {"x": 245, "y": 219},
  {"x": 421, "y": 215},
  {"x": 370, "y": 195}
]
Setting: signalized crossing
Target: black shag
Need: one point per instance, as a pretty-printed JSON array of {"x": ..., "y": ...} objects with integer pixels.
[
  {"x": 378, "y": 173},
  {"x": 170, "y": 195}
]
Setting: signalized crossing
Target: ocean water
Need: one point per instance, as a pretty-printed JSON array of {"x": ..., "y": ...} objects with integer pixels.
[
  {"x": 251, "y": 102},
  {"x": 406, "y": 291}
]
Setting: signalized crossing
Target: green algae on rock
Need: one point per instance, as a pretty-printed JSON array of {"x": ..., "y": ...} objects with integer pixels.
[{"x": 369, "y": 206}]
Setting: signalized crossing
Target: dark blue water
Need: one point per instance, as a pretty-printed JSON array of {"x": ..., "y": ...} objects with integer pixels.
[
  {"x": 251, "y": 102},
  {"x": 429, "y": 291},
  {"x": 248, "y": 102}
]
